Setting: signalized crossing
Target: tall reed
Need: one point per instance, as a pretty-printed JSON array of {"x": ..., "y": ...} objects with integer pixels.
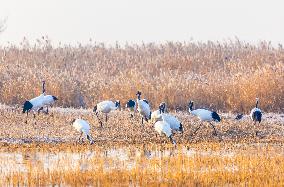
[{"x": 223, "y": 76}]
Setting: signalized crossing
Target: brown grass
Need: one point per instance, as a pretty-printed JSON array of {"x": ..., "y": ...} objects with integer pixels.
[
  {"x": 222, "y": 76},
  {"x": 120, "y": 128},
  {"x": 209, "y": 164}
]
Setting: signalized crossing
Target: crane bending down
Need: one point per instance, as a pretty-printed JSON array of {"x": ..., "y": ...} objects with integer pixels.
[
  {"x": 105, "y": 107},
  {"x": 204, "y": 115},
  {"x": 82, "y": 127},
  {"x": 160, "y": 115},
  {"x": 162, "y": 127}
]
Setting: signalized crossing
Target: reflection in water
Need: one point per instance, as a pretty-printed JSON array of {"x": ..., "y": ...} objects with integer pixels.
[{"x": 115, "y": 158}]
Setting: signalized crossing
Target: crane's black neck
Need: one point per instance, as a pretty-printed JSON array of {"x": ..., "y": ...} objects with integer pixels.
[
  {"x": 256, "y": 105},
  {"x": 190, "y": 105},
  {"x": 43, "y": 87}
]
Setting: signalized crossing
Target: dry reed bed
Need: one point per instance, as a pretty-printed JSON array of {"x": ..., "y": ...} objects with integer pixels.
[
  {"x": 202, "y": 164},
  {"x": 223, "y": 76},
  {"x": 56, "y": 128}
]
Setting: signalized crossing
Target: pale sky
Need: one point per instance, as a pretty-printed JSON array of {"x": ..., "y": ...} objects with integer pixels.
[{"x": 72, "y": 21}]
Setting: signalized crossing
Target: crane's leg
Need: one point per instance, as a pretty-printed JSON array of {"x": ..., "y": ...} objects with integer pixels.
[
  {"x": 106, "y": 117},
  {"x": 146, "y": 119},
  {"x": 133, "y": 113},
  {"x": 27, "y": 117},
  {"x": 99, "y": 119},
  {"x": 80, "y": 137},
  {"x": 38, "y": 111},
  {"x": 34, "y": 118},
  {"x": 255, "y": 131},
  {"x": 215, "y": 132},
  {"x": 196, "y": 130},
  {"x": 142, "y": 120},
  {"x": 90, "y": 138},
  {"x": 47, "y": 110},
  {"x": 171, "y": 139}
]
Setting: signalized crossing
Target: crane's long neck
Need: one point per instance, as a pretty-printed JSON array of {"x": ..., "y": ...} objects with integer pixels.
[
  {"x": 43, "y": 87},
  {"x": 190, "y": 106},
  {"x": 162, "y": 109},
  {"x": 256, "y": 104}
]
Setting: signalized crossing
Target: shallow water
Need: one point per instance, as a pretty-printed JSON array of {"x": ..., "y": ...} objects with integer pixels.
[
  {"x": 60, "y": 163},
  {"x": 112, "y": 158}
]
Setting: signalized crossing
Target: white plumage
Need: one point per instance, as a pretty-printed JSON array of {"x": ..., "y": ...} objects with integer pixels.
[
  {"x": 131, "y": 104},
  {"x": 49, "y": 100},
  {"x": 162, "y": 127},
  {"x": 105, "y": 107},
  {"x": 156, "y": 115},
  {"x": 143, "y": 108},
  {"x": 37, "y": 103},
  {"x": 83, "y": 127},
  {"x": 159, "y": 115},
  {"x": 204, "y": 115},
  {"x": 174, "y": 123}
]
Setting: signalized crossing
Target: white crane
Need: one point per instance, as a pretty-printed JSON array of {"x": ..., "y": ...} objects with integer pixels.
[
  {"x": 37, "y": 103},
  {"x": 204, "y": 115},
  {"x": 49, "y": 100},
  {"x": 162, "y": 127},
  {"x": 82, "y": 127},
  {"x": 43, "y": 100},
  {"x": 143, "y": 108},
  {"x": 105, "y": 107},
  {"x": 132, "y": 107},
  {"x": 174, "y": 123},
  {"x": 256, "y": 114},
  {"x": 159, "y": 115}
]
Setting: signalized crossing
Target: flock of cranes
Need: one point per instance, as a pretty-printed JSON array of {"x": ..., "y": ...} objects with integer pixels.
[{"x": 164, "y": 123}]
